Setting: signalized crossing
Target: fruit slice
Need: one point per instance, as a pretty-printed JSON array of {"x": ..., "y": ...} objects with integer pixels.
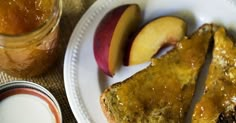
[
  {"x": 112, "y": 34},
  {"x": 161, "y": 31}
]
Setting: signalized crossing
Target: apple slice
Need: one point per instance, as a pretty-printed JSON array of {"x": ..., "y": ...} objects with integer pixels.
[
  {"x": 157, "y": 33},
  {"x": 111, "y": 35}
]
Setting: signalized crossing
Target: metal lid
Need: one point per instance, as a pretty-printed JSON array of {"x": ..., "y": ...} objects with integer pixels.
[{"x": 29, "y": 90}]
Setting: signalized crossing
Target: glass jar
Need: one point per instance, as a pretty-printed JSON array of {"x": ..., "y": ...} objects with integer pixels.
[{"x": 29, "y": 36}]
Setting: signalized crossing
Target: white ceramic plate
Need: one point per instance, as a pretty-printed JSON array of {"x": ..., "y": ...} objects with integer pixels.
[{"x": 84, "y": 82}]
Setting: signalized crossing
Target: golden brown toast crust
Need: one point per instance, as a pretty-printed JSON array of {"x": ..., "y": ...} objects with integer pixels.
[{"x": 103, "y": 105}]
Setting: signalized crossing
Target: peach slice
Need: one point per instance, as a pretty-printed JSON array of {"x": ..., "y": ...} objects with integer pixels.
[
  {"x": 111, "y": 35},
  {"x": 153, "y": 36}
]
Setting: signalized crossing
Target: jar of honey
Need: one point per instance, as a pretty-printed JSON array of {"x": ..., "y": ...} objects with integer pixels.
[{"x": 29, "y": 32}]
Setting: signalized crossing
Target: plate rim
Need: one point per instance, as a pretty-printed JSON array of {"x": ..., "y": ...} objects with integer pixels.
[
  {"x": 82, "y": 24},
  {"x": 66, "y": 70}
]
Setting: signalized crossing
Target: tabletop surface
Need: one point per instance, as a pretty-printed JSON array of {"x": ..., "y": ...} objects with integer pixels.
[{"x": 53, "y": 79}]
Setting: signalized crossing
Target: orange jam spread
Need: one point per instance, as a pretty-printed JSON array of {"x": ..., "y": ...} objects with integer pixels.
[
  {"x": 22, "y": 16},
  {"x": 220, "y": 91},
  {"x": 165, "y": 88},
  {"x": 32, "y": 53}
]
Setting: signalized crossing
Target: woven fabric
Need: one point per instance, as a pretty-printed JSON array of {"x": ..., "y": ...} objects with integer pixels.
[{"x": 53, "y": 79}]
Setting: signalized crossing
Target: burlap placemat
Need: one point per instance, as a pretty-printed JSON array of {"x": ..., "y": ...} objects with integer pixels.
[{"x": 53, "y": 79}]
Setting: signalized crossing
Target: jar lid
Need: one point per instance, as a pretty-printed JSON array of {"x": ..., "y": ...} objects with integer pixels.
[{"x": 27, "y": 102}]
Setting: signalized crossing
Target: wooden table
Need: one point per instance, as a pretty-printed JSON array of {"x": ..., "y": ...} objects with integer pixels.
[{"x": 53, "y": 79}]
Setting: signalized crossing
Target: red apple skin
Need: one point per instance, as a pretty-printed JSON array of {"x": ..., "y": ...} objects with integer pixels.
[{"x": 103, "y": 36}]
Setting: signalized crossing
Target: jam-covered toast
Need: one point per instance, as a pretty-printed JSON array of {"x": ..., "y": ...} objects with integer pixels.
[
  {"x": 218, "y": 102},
  {"x": 162, "y": 92}
]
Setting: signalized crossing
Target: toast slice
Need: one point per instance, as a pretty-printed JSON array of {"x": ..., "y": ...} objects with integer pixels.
[
  {"x": 163, "y": 91},
  {"x": 217, "y": 105}
]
